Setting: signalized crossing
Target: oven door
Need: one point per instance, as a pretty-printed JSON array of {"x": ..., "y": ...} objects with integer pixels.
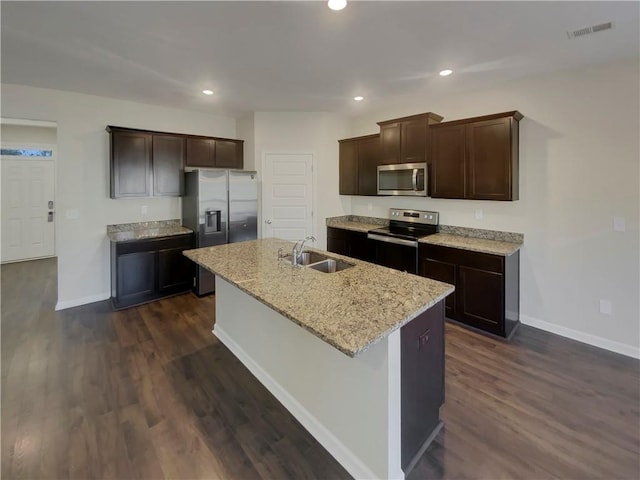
[{"x": 395, "y": 252}]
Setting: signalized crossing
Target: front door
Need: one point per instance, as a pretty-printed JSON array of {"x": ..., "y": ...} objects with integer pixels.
[
  {"x": 28, "y": 204},
  {"x": 287, "y": 195}
]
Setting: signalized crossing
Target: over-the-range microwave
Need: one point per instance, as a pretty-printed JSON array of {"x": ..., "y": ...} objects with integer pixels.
[{"x": 403, "y": 179}]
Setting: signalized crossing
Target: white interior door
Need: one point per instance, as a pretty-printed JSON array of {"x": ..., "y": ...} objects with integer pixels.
[
  {"x": 28, "y": 217},
  {"x": 287, "y": 195}
]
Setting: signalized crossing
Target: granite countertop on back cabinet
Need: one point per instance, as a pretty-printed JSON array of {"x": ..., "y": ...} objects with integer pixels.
[{"x": 126, "y": 232}]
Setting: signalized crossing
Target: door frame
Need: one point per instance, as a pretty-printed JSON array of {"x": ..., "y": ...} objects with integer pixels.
[
  {"x": 54, "y": 160},
  {"x": 314, "y": 186}
]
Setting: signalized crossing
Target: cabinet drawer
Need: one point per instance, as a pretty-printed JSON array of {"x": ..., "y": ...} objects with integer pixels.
[
  {"x": 484, "y": 261},
  {"x": 154, "y": 245}
]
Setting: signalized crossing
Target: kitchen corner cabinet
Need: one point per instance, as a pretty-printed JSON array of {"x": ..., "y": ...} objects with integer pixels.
[
  {"x": 406, "y": 140},
  {"x": 214, "y": 152},
  {"x": 487, "y": 294},
  {"x": 358, "y": 165},
  {"x": 146, "y": 270},
  {"x": 476, "y": 158},
  {"x": 145, "y": 164},
  {"x": 350, "y": 243}
]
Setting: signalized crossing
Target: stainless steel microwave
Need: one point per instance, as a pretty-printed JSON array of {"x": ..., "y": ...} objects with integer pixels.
[{"x": 403, "y": 179}]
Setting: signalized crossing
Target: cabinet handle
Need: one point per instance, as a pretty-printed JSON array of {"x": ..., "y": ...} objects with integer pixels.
[{"x": 423, "y": 339}]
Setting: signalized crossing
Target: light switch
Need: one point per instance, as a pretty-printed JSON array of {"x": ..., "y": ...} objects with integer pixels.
[
  {"x": 619, "y": 224},
  {"x": 72, "y": 214}
]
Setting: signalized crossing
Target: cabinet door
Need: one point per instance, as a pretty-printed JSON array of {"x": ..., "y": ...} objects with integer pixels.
[
  {"x": 390, "y": 143},
  {"x": 359, "y": 246},
  {"x": 229, "y": 154},
  {"x": 168, "y": 165},
  {"x": 481, "y": 299},
  {"x": 200, "y": 152},
  {"x": 130, "y": 164},
  {"x": 175, "y": 271},
  {"x": 422, "y": 379},
  {"x": 348, "y": 167},
  {"x": 337, "y": 241},
  {"x": 413, "y": 141},
  {"x": 443, "y": 272},
  {"x": 447, "y": 161},
  {"x": 368, "y": 161},
  {"x": 136, "y": 277},
  {"x": 489, "y": 168}
]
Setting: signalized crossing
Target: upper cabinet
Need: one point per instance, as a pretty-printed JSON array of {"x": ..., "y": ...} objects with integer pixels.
[
  {"x": 358, "y": 165},
  {"x": 214, "y": 152},
  {"x": 130, "y": 163},
  {"x": 146, "y": 163},
  {"x": 406, "y": 140},
  {"x": 476, "y": 158}
]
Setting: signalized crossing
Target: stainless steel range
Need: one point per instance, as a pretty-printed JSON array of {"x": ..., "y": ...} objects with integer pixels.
[{"x": 396, "y": 246}]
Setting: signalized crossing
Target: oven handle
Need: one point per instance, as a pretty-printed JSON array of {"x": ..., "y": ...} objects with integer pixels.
[{"x": 398, "y": 241}]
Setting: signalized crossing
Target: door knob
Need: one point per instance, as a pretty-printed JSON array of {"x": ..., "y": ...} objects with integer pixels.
[{"x": 268, "y": 222}]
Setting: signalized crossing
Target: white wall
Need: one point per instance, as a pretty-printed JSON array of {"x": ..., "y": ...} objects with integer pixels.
[
  {"x": 579, "y": 167},
  {"x": 26, "y": 134},
  {"x": 83, "y": 175},
  {"x": 317, "y": 133}
]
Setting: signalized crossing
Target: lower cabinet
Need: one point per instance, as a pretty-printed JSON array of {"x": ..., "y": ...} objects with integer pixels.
[
  {"x": 350, "y": 243},
  {"x": 146, "y": 270},
  {"x": 422, "y": 380},
  {"x": 487, "y": 294}
]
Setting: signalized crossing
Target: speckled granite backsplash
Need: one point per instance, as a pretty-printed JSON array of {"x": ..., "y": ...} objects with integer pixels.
[
  {"x": 125, "y": 227},
  {"x": 336, "y": 221},
  {"x": 484, "y": 234}
]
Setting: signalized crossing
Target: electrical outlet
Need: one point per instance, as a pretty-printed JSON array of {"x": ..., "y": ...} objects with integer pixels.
[
  {"x": 605, "y": 307},
  {"x": 478, "y": 213},
  {"x": 144, "y": 210},
  {"x": 369, "y": 207},
  {"x": 619, "y": 224}
]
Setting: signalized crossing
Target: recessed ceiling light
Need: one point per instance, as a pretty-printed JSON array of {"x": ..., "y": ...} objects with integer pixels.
[
  {"x": 446, "y": 73},
  {"x": 337, "y": 4},
  {"x": 358, "y": 98},
  {"x": 207, "y": 92}
]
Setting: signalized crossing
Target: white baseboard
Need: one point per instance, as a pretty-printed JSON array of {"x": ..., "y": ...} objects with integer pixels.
[
  {"x": 617, "y": 347},
  {"x": 76, "y": 302},
  {"x": 335, "y": 447}
]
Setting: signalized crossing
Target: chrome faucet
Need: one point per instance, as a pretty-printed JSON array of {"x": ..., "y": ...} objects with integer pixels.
[{"x": 296, "y": 254}]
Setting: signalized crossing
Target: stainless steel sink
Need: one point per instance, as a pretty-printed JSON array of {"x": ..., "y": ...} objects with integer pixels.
[
  {"x": 320, "y": 262},
  {"x": 330, "y": 265}
]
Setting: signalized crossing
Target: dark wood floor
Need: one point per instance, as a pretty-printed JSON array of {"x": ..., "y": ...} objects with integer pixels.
[{"x": 150, "y": 393}]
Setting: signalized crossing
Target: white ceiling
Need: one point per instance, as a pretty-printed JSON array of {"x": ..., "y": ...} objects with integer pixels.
[{"x": 300, "y": 56}]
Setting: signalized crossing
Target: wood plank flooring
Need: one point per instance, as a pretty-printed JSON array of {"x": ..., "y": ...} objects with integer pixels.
[{"x": 149, "y": 392}]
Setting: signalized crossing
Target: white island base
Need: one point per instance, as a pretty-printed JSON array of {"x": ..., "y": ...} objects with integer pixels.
[{"x": 352, "y": 406}]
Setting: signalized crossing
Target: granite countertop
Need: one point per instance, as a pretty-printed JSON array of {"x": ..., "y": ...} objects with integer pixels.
[
  {"x": 126, "y": 232},
  {"x": 482, "y": 245},
  {"x": 356, "y": 223},
  {"x": 350, "y": 310}
]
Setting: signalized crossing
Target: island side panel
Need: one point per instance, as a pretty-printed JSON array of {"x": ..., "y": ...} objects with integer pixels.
[{"x": 350, "y": 405}]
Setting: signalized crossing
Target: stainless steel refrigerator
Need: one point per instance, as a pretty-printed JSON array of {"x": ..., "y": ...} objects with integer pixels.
[{"x": 221, "y": 206}]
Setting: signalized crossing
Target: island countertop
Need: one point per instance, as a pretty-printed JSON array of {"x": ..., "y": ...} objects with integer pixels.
[{"x": 351, "y": 309}]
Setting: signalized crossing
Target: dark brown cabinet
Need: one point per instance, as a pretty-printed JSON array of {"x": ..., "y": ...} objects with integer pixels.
[
  {"x": 130, "y": 163},
  {"x": 487, "y": 286},
  {"x": 145, "y": 270},
  {"x": 476, "y": 158},
  {"x": 422, "y": 380},
  {"x": 214, "y": 152},
  {"x": 358, "y": 165},
  {"x": 168, "y": 165},
  {"x": 145, "y": 164},
  {"x": 350, "y": 243},
  {"x": 406, "y": 140}
]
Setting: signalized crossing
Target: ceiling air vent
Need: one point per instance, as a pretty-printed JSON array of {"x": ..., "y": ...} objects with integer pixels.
[{"x": 589, "y": 30}]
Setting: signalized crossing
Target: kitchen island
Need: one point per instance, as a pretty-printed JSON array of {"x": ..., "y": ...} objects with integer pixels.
[{"x": 357, "y": 356}]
